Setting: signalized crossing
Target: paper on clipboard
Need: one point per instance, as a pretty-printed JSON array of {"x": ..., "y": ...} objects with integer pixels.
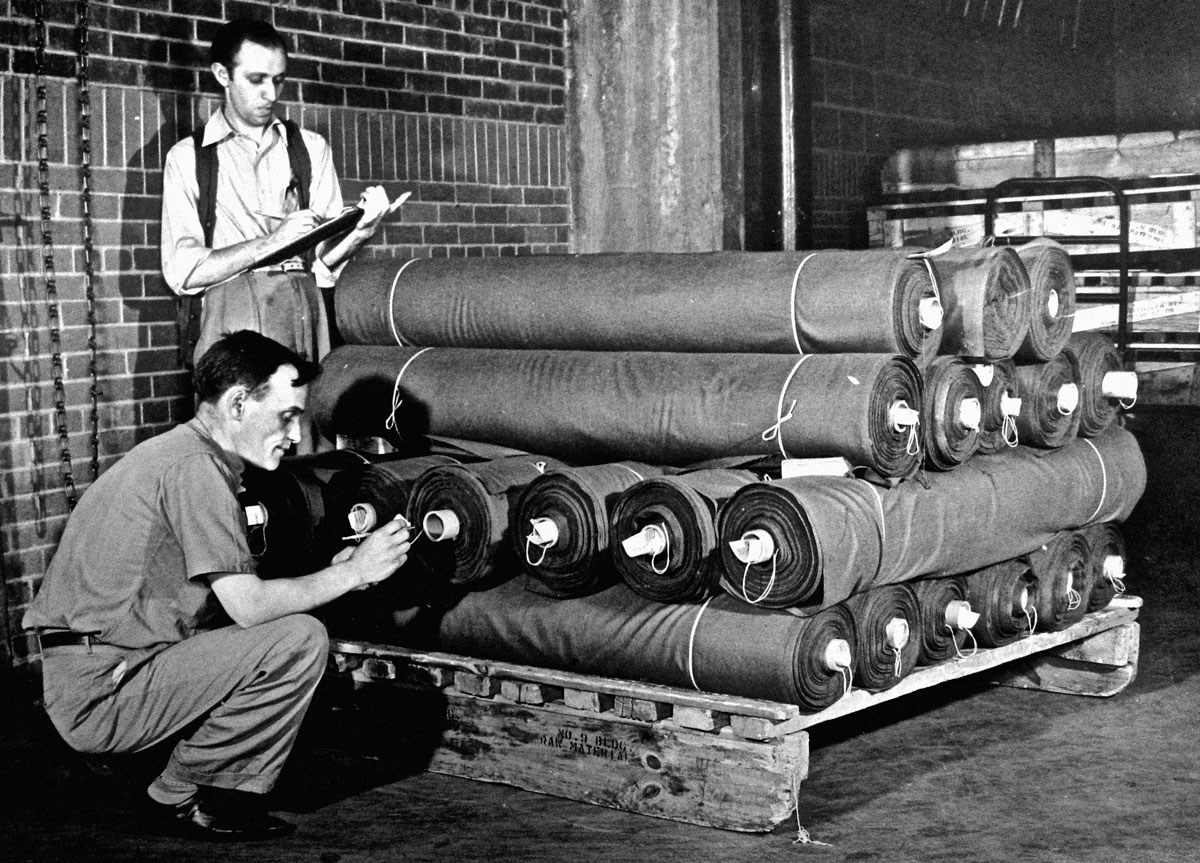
[{"x": 339, "y": 224}]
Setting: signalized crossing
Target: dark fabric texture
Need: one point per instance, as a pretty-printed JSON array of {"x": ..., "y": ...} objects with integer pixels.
[
  {"x": 483, "y": 498},
  {"x": 685, "y": 509},
  {"x": 305, "y": 500},
  {"x": 997, "y": 433},
  {"x": 579, "y": 502},
  {"x": 1041, "y": 422},
  {"x": 1095, "y": 355},
  {"x": 1005, "y": 596},
  {"x": 1052, "y": 310},
  {"x": 661, "y": 408},
  {"x": 986, "y": 295},
  {"x": 878, "y": 663},
  {"x": 723, "y": 646},
  {"x": 845, "y": 302},
  {"x": 937, "y": 640},
  {"x": 1063, "y": 568},
  {"x": 838, "y": 536},
  {"x": 1104, "y": 541},
  {"x": 387, "y": 485},
  {"x": 946, "y": 441}
]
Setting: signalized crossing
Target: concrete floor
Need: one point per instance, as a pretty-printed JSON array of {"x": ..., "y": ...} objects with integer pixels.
[{"x": 964, "y": 772}]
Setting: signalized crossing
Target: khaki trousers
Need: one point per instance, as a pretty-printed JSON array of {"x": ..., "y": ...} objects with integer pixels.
[{"x": 237, "y": 695}]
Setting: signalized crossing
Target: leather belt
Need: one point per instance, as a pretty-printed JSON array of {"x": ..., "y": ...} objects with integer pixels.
[{"x": 65, "y": 638}]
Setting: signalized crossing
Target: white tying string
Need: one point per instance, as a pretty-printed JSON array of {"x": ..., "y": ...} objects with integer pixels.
[
  {"x": 1117, "y": 583},
  {"x": 882, "y": 524},
  {"x": 926, "y": 258},
  {"x": 970, "y": 635},
  {"x": 390, "y": 425},
  {"x": 1031, "y": 617},
  {"x": 666, "y": 550},
  {"x": 691, "y": 666},
  {"x": 775, "y": 430},
  {"x": 266, "y": 517},
  {"x": 1127, "y": 404},
  {"x": 529, "y": 540},
  {"x": 1073, "y": 598},
  {"x": 539, "y": 466},
  {"x": 1103, "y": 481},
  {"x": 898, "y": 666},
  {"x": 792, "y": 307},
  {"x": 770, "y": 582},
  {"x": 392, "y": 303},
  {"x": 1008, "y": 430},
  {"x": 846, "y": 677},
  {"x": 802, "y": 835},
  {"x": 632, "y": 471}
]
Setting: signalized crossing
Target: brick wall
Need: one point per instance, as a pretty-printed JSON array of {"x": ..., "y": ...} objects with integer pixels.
[
  {"x": 888, "y": 74},
  {"x": 459, "y": 101}
]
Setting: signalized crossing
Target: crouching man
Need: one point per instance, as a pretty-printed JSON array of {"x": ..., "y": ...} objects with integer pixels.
[{"x": 133, "y": 614}]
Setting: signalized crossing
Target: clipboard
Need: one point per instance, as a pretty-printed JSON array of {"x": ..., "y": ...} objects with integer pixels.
[{"x": 339, "y": 224}]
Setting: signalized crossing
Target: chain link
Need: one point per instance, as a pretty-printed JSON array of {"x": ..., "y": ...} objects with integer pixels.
[
  {"x": 53, "y": 312},
  {"x": 85, "y": 194}
]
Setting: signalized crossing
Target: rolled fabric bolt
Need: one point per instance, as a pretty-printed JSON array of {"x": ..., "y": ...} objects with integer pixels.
[
  {"x": 1114, "y": 567},
  {"x": 1010, "y": 406},
  {"x": 362, "y": 517},
  {"x": 902, "y": 416},
  {"x": 970, "y": 414},
  {"x": 930, "y": 313},
  {"x": 960, "y": 616},
  {"x": 755, "y": 546},
  {"x": 649, "y": 541},
  {"x": 256, "y": 514},
  {"x": 897, "y": 632},
  {"x": 1052, "y": 303},
  {"x": 986, "y": 372},
  {"x": 838, "y": 654},
  {"x": 544, "y": 532},
  {"x": 1068, "y": 398},
  {"x": 440, "y": 524},
  {"x": 1120, "y": 385}
]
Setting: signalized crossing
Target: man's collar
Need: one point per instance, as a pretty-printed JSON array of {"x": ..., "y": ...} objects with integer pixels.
[
  {"x": 217, "y": 128},
  {"x": 236, "y": 463}
]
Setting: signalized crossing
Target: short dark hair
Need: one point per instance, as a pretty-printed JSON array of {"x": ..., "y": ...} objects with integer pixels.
[
  {"x": 247, "y": 358},
  {"x": 230, "y": 36}
]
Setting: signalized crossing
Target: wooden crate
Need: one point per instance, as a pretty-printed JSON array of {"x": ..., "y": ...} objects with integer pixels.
[{"x": 701, "y": 758}]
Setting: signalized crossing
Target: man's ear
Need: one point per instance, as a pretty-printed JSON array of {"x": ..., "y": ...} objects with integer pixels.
[
  {"x": 221, "y": 74},
  {"x": 234, "y": 401}
]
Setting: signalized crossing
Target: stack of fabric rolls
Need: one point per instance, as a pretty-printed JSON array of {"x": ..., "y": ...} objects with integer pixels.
[{"x": 766, "y": 474}]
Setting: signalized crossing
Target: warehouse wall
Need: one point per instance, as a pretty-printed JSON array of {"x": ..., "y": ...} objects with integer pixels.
[
  {"x": 459, "y": 101},
  {"x": 1157, "y": 66},
  {"x": 888, "y": 74}
]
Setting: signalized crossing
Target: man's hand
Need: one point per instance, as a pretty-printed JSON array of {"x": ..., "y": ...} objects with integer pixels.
[
  {"x": 374, "y": 204},
  {"x": 292, "y": 226},
  {"x": 379, "y": 555}
]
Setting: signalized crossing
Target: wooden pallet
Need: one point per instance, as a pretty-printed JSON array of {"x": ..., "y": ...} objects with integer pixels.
[{"x": 702, "y": 758}]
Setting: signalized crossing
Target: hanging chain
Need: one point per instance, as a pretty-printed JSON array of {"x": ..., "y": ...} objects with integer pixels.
[
  {"x": 85, "y": 195},
  {"x": 53, "y": 315}
]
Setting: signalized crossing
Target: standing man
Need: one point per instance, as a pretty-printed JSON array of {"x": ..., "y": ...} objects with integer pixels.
[
  {"x": 134, "y": 612},
  {"x": 273, "y": 183}
]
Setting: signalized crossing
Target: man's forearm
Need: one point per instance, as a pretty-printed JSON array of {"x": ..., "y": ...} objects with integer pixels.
[
  {"x": 222, "y": 264},
  {"x": 250, "y": 600},
  {"x": 333, "y": 256}
]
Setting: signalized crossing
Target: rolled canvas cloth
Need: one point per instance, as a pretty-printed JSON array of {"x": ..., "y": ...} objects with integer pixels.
[
  {"x": 887, "y": 621},
  {"x": 987, "y": 298},
  {"x": 939, "y": 639},
  {"x": 748, "y": 302},
  {"x": 1052, "y": 308},
  {"x": 1050, "y": 405},
  {"x": 951, "y": 413},
  {"x": 463, "y": 512},
  {"x": 1107, "y": 546},
  {"x": 385, "y": 487},
  {"x": 664, "y": 534},
  {"x": 662, "y": 408},
  {"x": 1096, "y": 357},
  {"x": 300, "y": 516},
  {"x": 1005, "y": 597},
  {"x": 822, "y": 539},
  {"x": 1000, "y": 427},
  {"x": 722, "y": 645},
  {"x": 1063, "y": 568},
  {"x": 561, "y": 529}
]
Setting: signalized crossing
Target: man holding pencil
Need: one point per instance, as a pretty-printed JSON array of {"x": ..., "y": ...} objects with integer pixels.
[{"x": 243, "y": 188}]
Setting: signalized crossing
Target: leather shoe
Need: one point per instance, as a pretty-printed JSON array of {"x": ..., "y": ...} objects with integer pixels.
[{"x": 222, "y": 820}]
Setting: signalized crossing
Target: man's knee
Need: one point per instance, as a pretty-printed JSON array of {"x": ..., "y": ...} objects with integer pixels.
[{"x": 306, "y": 641}]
